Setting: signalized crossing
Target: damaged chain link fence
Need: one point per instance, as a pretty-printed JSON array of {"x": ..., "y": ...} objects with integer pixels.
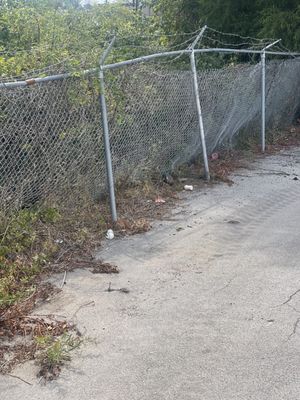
[{"x": 51, "y": 132}]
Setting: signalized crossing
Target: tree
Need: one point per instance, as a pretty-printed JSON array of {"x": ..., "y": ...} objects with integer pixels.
[
  {"x": 37, "y": 33},
  {"x": 278, "y": 18},
  {"x": 279, "y": 22}
]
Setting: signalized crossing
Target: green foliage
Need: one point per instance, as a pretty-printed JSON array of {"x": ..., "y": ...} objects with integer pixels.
[
  {"x": 19, "y": 232},
  {"x": 229, "y": 15},
  {"x": 35, "y": 34},
  {"x": 284, "y": 24},
  {"x": 265, "y": 18},
  {"x": 19, "y": 268},
  {"x": 48, "y": 215},
  {"x": 55, "y": 351},
  {"x": 16, "y": 281}
]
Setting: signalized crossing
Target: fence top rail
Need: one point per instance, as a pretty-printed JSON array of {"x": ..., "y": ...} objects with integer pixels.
[
  {"x": 39, "y": 80},
  {"x": 50, "y": 78},
  {"x": 196, "y": 51}
]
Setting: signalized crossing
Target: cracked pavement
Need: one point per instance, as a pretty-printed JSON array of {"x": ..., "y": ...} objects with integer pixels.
[{"x": 213, "y": 311}]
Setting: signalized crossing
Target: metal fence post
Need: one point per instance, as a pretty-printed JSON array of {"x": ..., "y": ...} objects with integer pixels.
[
  {"x": 263, "y": 95},
  {"x": 263, "y": 102},
  {"x": 200, "y": 117},
  {"x": 197, "y": 98},
  {"x": 108, "y": 160}
]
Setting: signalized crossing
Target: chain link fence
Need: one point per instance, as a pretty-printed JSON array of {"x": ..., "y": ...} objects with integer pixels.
[
  {"x": 51, "y": 132},
  {"x": 51, "y": 141},
  {"x": 153, "y": 118}
]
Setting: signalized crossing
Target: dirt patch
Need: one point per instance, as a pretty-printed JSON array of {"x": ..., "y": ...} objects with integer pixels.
[
  {"x": 19, "y": 329},
  {"x": 105, "y": 268}
]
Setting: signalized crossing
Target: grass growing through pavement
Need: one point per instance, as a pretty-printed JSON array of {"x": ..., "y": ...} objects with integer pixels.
[
  {"x": 28, "y": 246},
  {"x": 54, "y": 352},
  {"x": 43, "y": 240}
]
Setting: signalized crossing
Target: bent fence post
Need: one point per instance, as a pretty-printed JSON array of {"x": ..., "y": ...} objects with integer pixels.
[
  {"x": 198, "y": 104},
  {"x": 263, "y": 95},
  {"x": 108, "y": 160},
  {"x": 263, "y": 102}
]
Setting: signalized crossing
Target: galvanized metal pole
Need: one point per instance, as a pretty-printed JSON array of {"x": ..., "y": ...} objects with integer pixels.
[
  {"x": 200, "y": 117},
  {"x": 46, "y": 79},
  {"x": 197, "y": 51},
  {"x": 263, "y": 95},
  {"x": 107, "y": 51},
  {"x": 263, "y": 102},
  {"x": 108, "y": 159},
  {"x": 198, "y": 38},
  {"x": 198, "y": 104}
]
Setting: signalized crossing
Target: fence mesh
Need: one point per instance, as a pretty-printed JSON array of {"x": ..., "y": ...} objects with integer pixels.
[
  {"x": 50, "y": 141},
  {"x": 51, "y": 135},
  {"x": 153, "y": 117}
]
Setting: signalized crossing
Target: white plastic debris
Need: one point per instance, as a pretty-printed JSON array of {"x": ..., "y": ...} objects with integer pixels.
[
  {"x": 159, "y": 200},
  {"x": 189, "y": 188},
  {"x": 110, "y": 234},
  {"x": 214, "y": 156}
]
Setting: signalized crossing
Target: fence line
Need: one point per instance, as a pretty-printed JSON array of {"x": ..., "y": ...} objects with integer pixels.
[
  {"x": 138, "y": 60},
  {"x": 51, "y": 135},
  {"x": 197, "y": 51},
  {"x": 191, "y": 51}
]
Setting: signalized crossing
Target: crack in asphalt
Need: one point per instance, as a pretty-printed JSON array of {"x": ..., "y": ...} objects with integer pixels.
[
  {"x": 291, "y": 297},
  {"x": 294, "y": 328}
]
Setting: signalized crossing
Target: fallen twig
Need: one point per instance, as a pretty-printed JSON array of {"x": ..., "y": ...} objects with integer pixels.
[
  {"x": 90, "y": 303},
  {"x": 21, "y": 379},
  {"x": 122, "y": 290}
]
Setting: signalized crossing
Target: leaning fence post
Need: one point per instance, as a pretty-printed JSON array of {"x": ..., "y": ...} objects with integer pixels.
[
  {"x": 108, "y": 160},
  {"x": 198, "y": 104},
  {"x": 263, "y": 95},
  {"x": 263, "y": 102}
]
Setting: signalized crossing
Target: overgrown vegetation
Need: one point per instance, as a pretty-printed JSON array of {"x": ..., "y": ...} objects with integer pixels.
[
  {"x": 37, "y": 241},
  {"x": 54, "y": 352},
  {"x": 49, "y": 239},
  {"x": 26, "y": 250},
  {"x": 23, "y": 252},
  {"x": 35, "y": 34},
  {"x": 257, "y": 18}
]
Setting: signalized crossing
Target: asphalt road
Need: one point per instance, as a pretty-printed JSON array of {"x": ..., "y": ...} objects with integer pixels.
[{"x": 213, "y": 311}]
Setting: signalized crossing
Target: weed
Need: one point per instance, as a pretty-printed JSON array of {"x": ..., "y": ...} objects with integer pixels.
[
  {"x": 55, "y": 352},
  {"x": 16, "y": 281},
  {"x": 49, "y": 215},
  {"x": 23, "y": 252}
]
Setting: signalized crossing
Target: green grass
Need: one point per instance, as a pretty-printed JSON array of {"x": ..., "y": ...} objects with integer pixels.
[
  {"x": 56, "y": 351},
  {"x": 23, "y": 252}
]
